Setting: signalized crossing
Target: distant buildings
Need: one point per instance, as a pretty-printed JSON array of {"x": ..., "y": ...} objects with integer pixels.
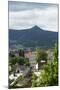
[
  {"x": 32, "y": 59},
  {"x": 27, "y": 53}
]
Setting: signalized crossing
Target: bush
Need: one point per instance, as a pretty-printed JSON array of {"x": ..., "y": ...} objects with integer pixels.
[{"x": 34, "y": 81}]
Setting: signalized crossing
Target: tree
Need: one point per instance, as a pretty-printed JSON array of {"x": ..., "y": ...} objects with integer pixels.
[
  {"x": 12, "y": 62},
  {"x": 20, "y": 60},
  {"x": 41, "y": 55},
  {"x": 49, "y": 76},
  {"x": 23, "y": 61},
  {"x": 11, "y": 54},
  {"x": 27, "y": 63},
  {"x": 21, "y": 52}
]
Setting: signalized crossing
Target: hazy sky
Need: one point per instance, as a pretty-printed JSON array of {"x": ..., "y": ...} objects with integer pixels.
[{"x": 24, "y": 15}]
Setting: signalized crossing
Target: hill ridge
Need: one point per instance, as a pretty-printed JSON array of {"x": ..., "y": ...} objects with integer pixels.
[{"x": 33, "y": 37}]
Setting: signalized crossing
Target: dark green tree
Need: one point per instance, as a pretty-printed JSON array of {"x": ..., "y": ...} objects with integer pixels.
[
  {"x": 21, "y": 52},
  {"x": 41, "y": 55},
  {"x": 27, "y": 63},
  {"x": 20, "y": 60}
]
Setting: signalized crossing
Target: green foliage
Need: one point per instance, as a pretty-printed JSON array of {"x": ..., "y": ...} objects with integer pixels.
[
  {"x": 11, "y": 54},
  {"x": 34, "y": 82},
  {"x": 27, "y": 62},
  {"x": 21, "y": 52},
  {"x": 56, "y": 52},
  {"x": 20, "y": 60},
  {"x": 49, "y": 76},
  {"x": 41, "y": 55},
  {"x": 12, "y": 60}
]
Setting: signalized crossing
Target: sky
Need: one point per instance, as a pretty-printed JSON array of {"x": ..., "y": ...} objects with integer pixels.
[{"x": 24, "y": 15}]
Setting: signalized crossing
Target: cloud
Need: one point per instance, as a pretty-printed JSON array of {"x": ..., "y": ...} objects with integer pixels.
[
  {"x": 19, "y": 6},
  {"x": 44, "y": 18}
]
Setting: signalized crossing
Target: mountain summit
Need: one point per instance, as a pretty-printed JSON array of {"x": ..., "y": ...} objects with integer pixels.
[{"x": 35, "y": 27}]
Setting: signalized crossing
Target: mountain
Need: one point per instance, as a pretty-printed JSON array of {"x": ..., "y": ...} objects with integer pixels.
[{"x": 33, "y": 37}]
